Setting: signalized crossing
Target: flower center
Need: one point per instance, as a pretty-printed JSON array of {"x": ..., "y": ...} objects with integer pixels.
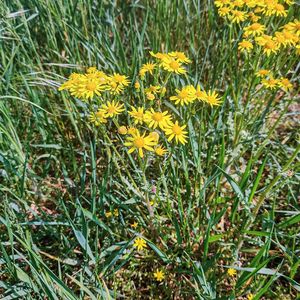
[
  {"x": 118, "y": 78},
  {"x": 174, "y": 65},
  {"x": 176, "y": 129},
  {"x": 91, "y": 86},
  {"x": 255, "y": 26},
  {"x": 157, "y": 116},
  {"x": 139, "y": 142},
  {"x": 270, "y": 45},
  {"x": 183, "y": 95},
  {"x": 111, "y": 109}
]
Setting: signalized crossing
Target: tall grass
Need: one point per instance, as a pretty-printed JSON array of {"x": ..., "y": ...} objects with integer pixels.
[{"x": 230, "y": 199}]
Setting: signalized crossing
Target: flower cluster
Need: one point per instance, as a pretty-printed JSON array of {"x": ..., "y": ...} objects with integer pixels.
[
  {"x": 145, "y": 120},
  {"x": 254, "y": 15},
  {"x": 268, "y": 81}
]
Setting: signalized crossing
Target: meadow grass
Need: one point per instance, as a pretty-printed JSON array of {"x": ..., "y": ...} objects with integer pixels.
[{"x": 228, "y": 199}]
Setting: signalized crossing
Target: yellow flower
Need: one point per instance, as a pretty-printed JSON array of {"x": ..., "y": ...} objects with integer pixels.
[
  {"x": 85, "y": 88},
  {"x": 184, "y": 96},
  {"x": 140, "y": 244},
  {"x": 285, "y": 84},
  {"x": 108, "y": 214},
  {"x": 276, "y": 9},
  {"x": 231, "y": 272},
  {"x": 122, "y": 130},
  {"x": 132, "y": 130},
  {"x": 224, "y": 11},
  {"x": 176, "y": 131},
  {"x": 160, "y": 151},
  {"x": 112, "y": 108},
  {"x": 262, "y": 73},
  {"x": 137, "y": 114},
  {"x": 98, "y": 118},
  {"x": 159, "y": 55},
  {"x": 180, "y": 56},
  {"x": 150, "y": 96},
  {"x": 212, "y": 98},
  {"x": 253, "y": 17},
  {"x": 250, "y": 297},
  {"x": 137, "y": 85},
  {"x": 116, "y": 213},
  {"x": 154, "y": 135},
  {"x": 159, "y": 275},
  {"x": 117, "y": 82},
  {"x": 245, "y": 45},
  {"x": 254, "y": 29},
  {"x": 199, "y": 94},
  {"x": 293, "y": 27},
  {"x": 172, "y": 65},
  {"x": 139, "y": 142},
  {"x": 221, "y": 3},
  {"x": 237, "y": 16},
  {"x": 154, "y": 119},
  {"x": 147, "y": 68},
  {"x": 268, "y": 43},
  {"x": 152, "y": 89},
  {"x": 134, "y": 225},
  {"x": 270, "y": 83}
]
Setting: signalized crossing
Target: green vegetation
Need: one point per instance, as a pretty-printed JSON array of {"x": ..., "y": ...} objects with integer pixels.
[{"x": 229, "y": 198}]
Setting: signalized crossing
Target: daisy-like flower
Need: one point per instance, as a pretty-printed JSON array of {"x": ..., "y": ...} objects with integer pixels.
[
  {"x": 254, "y": 29},
  {"x": 112, "y": 108},
  {"x": 250, "y": 296},
  {"x": 147, "y": 68},
  {"x": 184, "y": 96},
  {"x": 139, "y": 142},
  {"x": 277, "y": 10},
  {"x": 270, "y": 83},
  {"x": 199, "y": 94},
  {"x": 108, "y": 214},
  {"x": 262, "y": 73},
  {"x": 157, "y": 119},
  {"x": 224, "y": 11},
  {"x": 237, "y": 3},
  {"x": 285, "y": 84},
  {"x": 212, "y": 98},
  {"x": 140, "y": 244},
  {"x": 87, "y": 87},
  {"x": 180, "y": 57},
  {"x": 268, "y": 43},
  {"x": 160, "y": 151},
  {"x": 237, "y": 16},
  {"x": 231, "y": 272},
  {"x": 98, "y": 118},
  {"x": 245, "y": 46},
  {"x": 74, "y": 80},
  {"x": 159, "y": 275},
  {"x": 172, "y": 65},
  {"x": 176, "y": 131},
  {"x": 117, "y": 83},
  {"x": 137, "y": 114},
  {"x": 293, "y": 27}
]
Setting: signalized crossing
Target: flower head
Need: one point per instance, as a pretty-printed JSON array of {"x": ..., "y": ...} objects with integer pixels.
[
  {"x": 180, "y": 56},
  {"x": 237, "y": 16},
  {"x": 172, "y": 65},
  {"x": 159, "y": 275},
  {"x": 137, "y": 114},
  {"x": 184, "y": 96},
  {"x": 112, "y": 108},
  {"x": 157, "y": 118},
  {"x": 231, "y": 272},
  {"x": 211, "y": 97},
  {"x": 140, "y": 244},
  {"x": 176, "y": 131},
  {"x": 270, "y": 83},
  {"x": 147, "y": 68},
  {"x": 262, "y": 73},
  {"x": 139, "y": 142},
  {"x": 160, "y": 151},
  {"x": 245, "y": 45},
  {"x": 98, "y": 117}
]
